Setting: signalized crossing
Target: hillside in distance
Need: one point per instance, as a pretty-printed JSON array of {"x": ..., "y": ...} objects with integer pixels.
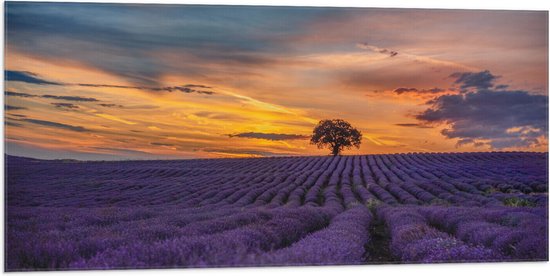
[{"x": 395, "y": 208}]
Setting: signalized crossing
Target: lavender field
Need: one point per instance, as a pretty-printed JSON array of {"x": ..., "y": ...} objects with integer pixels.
[{"x": 395, "y": 208}]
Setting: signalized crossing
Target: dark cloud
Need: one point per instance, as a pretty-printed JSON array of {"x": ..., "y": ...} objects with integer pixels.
[
  {"x": 366, "y": 46},
  {"x": 183, "y": 89},
  {"x": 111, "y": 105},
  {"x": 12, "y": 107},
  {"x": 28, "y": 77},
  {"x": 145, "y": 106},
  {"x": 432, "y": 90},
  {"x": 10, "y": 123},
  {"x": 162, "y": 144},
  {"x": 56, "y": 125},
  {"x": 501, "y": 86},
  {"x": 413, "y": 125},
  {"x": 17, "y": 94},
  {"x": 187, "y": 88},
  {"x": 65, "y": 105},
  {"x": 269, "y": 136},
  {"x": 504, "y": 118},
  {"x": 103, "y": 85},
  {"x": 198, "y": 86},
  {"x": 70, "y": 98},
  {"x": 477, "y": 80},
  {"x": 402, "y": 90},
  {"x": 65, "y": 98}
]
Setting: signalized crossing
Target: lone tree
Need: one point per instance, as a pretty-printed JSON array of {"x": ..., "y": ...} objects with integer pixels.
[{"x": 336, "y": 134}]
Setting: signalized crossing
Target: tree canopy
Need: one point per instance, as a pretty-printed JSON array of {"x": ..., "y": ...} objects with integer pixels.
[{"x": 336, "y": 134}]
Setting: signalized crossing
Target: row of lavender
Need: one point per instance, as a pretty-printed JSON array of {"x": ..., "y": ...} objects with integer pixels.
[
  {"x": 275, "y": 211},
  {"x": 47, "y": 238},
  {"x": 466, "y": 234},
  {"x": 480, "y": 179}
]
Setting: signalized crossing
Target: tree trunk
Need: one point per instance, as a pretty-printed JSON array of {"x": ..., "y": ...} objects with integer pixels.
[{"x": 335, "y": 151}]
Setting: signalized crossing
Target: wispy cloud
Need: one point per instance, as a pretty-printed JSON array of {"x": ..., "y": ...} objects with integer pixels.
[
  {"x": 13, "y": 124},
  {"x": 269, "y": 136},
  {"x": 56, "y": 125},
  {"x": 373, "y": 48},
  {"x": 142, "y": 106},
  {"x": 115, "y": 118},
  {"x": 17, "y": 94},
  {"x": 28, "y": 77},
  {"x": 403, "y": 90},
  {"x": 219, "y": 116},
  {"x": 65, "y": 98},
  {"x": 12, "y": 107},
  {"x": 414, "y": 57},
  {"x": 110, "y": 105},
  {"x": 19, "y": 115},
  {"x": 70, "y": 98},
  {"x": 413, "y": 125},
  {"x": 187, "y": 88},
  {"x": 65, "y": 105},
  {"x": 162, "y": 144}
]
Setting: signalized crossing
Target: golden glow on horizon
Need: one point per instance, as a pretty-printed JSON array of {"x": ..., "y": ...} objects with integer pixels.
[{"x": 184, "y": 125}]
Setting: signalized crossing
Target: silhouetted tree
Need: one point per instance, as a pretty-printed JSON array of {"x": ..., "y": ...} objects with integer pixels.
[{"x": 335, "y": 134}]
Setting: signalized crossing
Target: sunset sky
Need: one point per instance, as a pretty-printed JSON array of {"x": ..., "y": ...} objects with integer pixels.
[{"x": 118, "y": 81}]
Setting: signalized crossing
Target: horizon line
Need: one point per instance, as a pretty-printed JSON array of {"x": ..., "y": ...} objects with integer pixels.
[{"x": 6, "y": 156}]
